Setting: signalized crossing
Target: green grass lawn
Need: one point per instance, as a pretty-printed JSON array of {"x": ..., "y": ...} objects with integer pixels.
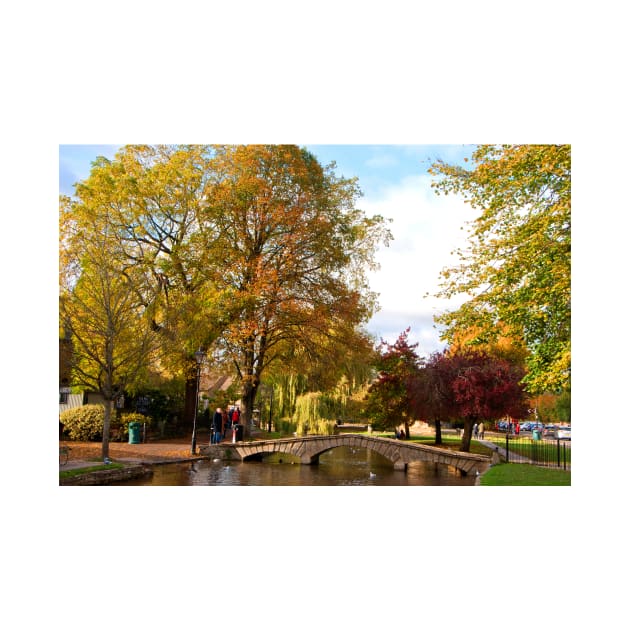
[
  {"x": 525, "y": 475},
  {"x": 451, "y": 442},
  {"x": 73, "y": 472}
]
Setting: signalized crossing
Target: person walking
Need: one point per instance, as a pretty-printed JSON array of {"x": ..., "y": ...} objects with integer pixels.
[
  {"x": 224, "y": 423},
  {"x": 475, "y": 430},
  {"x": 236, "y": 421},
  {"x": 217, "y": 421},
  {"x": 481, "y": 431}
]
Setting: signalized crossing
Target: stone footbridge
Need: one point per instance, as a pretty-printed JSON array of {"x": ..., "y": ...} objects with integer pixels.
[{"x": 399, "y": 452}]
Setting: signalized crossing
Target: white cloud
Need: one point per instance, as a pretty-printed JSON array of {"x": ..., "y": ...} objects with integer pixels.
[{"x": 426, "y": 230}]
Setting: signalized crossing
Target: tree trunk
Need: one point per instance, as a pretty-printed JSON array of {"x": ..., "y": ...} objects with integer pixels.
[
  {"x": 248, "y": 397},
  {"x": 438, "y": 432},
  {"x": 465, "y": 447},
  {"x": 106, "y": 425}
]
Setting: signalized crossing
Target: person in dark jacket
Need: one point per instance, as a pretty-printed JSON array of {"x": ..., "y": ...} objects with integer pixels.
[{"x": 217, "y": 422}]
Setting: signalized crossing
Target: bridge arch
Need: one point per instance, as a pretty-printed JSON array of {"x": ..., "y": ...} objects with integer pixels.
[{"x": 399, "y": 452}]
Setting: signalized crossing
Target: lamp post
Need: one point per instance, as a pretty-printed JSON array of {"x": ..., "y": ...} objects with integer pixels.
[{"x": 200, "y": 355}]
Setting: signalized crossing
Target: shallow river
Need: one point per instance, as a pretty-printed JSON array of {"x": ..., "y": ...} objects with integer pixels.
[{"x": 341, "y": 466}]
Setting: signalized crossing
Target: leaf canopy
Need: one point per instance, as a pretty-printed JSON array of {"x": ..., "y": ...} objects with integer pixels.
[{"x": 516, "y": 271}]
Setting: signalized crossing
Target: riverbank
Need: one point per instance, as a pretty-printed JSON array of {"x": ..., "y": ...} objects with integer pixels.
[
  {"x": 102, "y": 475},
  {"x": 137, "y": 459}
]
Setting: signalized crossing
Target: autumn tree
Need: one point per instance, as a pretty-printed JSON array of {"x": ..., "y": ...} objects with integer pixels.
[
  {"x": 294, "y": 251},
  {"x": 470, "y": 385},
  {"x": 389, "y": 401},
  {"x": 112, "y": 337},
  {"x": 552, "y": 408},
  {"x": 517, "y": 269},
  {"x": 500, "y": 345},
  {"x": 153, "y": 197},
  {"x": 430, "y": 396},
  {"x": 250, "y": 252}
]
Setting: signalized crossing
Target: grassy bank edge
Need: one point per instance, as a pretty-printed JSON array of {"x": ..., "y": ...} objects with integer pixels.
[
  {"x": 65, "y": 474},
  {"x": 524, "y": 475}
]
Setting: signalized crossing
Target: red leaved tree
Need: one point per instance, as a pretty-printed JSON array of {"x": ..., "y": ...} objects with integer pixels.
[
  {"x": 388, "y": 399},
  {"x": 470, "y": 385}
]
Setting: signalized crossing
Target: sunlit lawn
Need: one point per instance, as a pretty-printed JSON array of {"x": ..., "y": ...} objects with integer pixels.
[
  {"x": 450, "y": 442},
  {"x": 525, "y": 475}
]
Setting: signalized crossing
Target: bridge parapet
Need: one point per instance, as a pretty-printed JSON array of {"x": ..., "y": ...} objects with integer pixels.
[{"x": 399, "y": 452}]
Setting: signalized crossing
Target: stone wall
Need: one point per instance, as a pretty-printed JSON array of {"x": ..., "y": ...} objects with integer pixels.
[{"x": 103, "y": 477}]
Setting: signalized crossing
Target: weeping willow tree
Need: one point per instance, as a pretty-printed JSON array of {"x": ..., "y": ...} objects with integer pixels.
[
  {"x": 286, "y": 390},
  {"x": 315, "y": 413},
  {"x": 334, "y": 372},
  {"x": 286, "y": 402}
]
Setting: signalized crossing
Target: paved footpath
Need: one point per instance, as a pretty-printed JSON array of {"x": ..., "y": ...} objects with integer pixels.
[
  {"x": 86, "y": 454},
  {"x": 515, "y": 458}
]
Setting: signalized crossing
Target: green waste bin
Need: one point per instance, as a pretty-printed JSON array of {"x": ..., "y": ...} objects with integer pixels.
[
  {"x": 536, "y": 434},
  {"x": 134, "y": 432}
]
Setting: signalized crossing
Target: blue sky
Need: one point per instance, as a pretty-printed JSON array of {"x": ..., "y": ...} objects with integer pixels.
[{"x": 395, "y": 184}]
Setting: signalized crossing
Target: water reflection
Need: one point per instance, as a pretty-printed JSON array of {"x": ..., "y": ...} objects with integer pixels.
[{"x": 342, "y": 466}]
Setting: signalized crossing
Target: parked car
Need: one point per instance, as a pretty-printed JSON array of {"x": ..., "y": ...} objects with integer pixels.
[
  {"x": 549, "y": 430},
  {"x": 526, "y": 426},
  {"x": 563, "y": 433}
]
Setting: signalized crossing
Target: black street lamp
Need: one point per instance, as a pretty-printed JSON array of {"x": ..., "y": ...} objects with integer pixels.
[{"x": 200, "y": 355}]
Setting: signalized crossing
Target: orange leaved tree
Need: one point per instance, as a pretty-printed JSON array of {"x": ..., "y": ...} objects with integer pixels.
[{"x": 294, "y": 251}]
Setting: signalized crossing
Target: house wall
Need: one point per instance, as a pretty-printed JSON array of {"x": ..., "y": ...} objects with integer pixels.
[{"x": 74, "y": 400}]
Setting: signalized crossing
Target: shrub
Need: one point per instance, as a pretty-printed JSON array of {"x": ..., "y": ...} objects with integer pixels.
[{"x": 84, "y": 424}]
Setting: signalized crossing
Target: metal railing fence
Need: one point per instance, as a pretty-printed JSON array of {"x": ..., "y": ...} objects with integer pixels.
[{"x": 542, "y": 452}]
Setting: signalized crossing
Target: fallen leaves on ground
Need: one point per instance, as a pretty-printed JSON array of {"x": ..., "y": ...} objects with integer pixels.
[{"x": 153, "y": 451}]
